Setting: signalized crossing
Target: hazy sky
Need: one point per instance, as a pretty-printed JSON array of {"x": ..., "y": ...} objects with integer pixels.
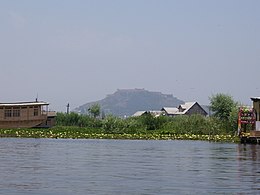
[{"x": 78, "y": 51}]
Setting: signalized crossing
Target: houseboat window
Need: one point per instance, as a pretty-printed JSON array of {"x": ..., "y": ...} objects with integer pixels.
[
  {"x": 16, "y": 113},
  {"x": 8, "y": 113},
  {"x": 36, "y": 112}
]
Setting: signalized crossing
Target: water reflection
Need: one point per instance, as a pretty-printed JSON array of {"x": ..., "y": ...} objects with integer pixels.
[
  {"x": 249, "y": 165},
  {"x": 249, "y": 151}
]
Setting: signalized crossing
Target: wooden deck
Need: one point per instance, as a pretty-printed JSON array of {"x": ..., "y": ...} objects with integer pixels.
[
  {"x": 250, "y": 140},
  {"x": 253, "y": 137}
]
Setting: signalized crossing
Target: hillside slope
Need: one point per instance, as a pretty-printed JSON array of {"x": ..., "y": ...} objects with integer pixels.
[{"x": 125, "y": 102}]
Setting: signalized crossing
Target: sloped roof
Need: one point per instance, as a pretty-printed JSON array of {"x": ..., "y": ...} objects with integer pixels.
[
  {"x": 155, "y": 113},
  {"x": 139, "y": 113},
  {"x": 186, "y": 107},
  {"x": 170, "y": 110}
]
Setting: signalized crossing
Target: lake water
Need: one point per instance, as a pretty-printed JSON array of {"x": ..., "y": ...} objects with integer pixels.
[{"x": 64, "y": 166}]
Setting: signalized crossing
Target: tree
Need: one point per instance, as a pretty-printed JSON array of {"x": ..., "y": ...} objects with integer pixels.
[
  {"x": 222, "y": 105},
  {"x": 149, "y": 121},
  {"x": 94, "y": 110}
]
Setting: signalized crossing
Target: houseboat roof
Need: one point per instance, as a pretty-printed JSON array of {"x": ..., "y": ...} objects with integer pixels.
[
  {"x": 255, "y": 98},
  {"x": 36, "y": 103}
]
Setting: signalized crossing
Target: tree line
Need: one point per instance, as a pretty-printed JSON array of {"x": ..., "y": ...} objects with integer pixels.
[{"x": 223, "y": 120}]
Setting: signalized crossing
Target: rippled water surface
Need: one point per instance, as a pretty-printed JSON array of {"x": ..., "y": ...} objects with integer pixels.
[{"x": 48, "y": 166}]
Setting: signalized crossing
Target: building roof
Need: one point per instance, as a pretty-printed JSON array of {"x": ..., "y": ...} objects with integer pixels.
[
  {"x": 38, "y": 103},
  {"x": 181, "y": 110},
  {"x": 186, "y": 107},
  {"x": 170, "y": 110},
  {"x": 255, "y": 98},
  {"x": 155, "y": 113},
  {"x": 139, "y": 113}
]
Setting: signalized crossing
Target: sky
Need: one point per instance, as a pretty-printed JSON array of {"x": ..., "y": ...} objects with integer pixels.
[{"x": 78, "y": 51}]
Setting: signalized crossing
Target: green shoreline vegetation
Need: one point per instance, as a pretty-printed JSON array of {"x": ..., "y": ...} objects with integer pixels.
[
  {"x": 147, "y": 127},
  {"x": 221, "y": 127}
]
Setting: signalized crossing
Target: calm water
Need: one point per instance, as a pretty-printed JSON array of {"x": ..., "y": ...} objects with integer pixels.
[{"x": 48, "y": 166}]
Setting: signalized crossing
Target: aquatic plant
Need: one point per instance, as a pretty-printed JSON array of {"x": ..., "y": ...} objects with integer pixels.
[{"x": 84, "y": 133}]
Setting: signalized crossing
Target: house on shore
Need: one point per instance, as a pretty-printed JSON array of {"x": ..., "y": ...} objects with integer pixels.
[
  {"x": 26, "y": 115},
  {"x": 188, "y": 108}
]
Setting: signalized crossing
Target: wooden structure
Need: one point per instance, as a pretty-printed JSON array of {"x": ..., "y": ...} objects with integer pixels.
[
  {"x": 256, "y": 106},
  {"x": 251, "y": 118},
  {"x": 246, "y": 117},
  {"x": 25, "y": 115}
]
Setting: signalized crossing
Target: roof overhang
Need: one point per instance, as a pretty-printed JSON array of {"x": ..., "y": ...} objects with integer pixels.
[
  {"x": 255, "y": 99},
  {"x": 38, "y": 103}
]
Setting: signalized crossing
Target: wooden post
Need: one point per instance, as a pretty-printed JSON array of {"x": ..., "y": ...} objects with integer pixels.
[{"x": 68, "y": 108}]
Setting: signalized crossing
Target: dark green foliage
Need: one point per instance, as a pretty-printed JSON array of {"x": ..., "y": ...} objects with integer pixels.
[
  {"x": 133, "y": 125},
  {"x": 233, "y": 120},
  {"x": 222, "y": 105},
  {"x": 74, "y": 119},
  {"x": 94, "y": 110},
  {"x": 194, "y": 124},
  {"x": 113, "y": 124},
  {"x": 225, "y": 109},
  {"x": 149, "y": 121},
  {"x": 73, "y": 125}
]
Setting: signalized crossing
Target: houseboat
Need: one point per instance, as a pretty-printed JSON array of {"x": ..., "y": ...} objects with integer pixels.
[{"x": 26, "y": 115}]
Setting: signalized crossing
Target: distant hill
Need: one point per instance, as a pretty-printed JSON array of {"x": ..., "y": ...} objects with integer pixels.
[{"x": 125, "y": 102}]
